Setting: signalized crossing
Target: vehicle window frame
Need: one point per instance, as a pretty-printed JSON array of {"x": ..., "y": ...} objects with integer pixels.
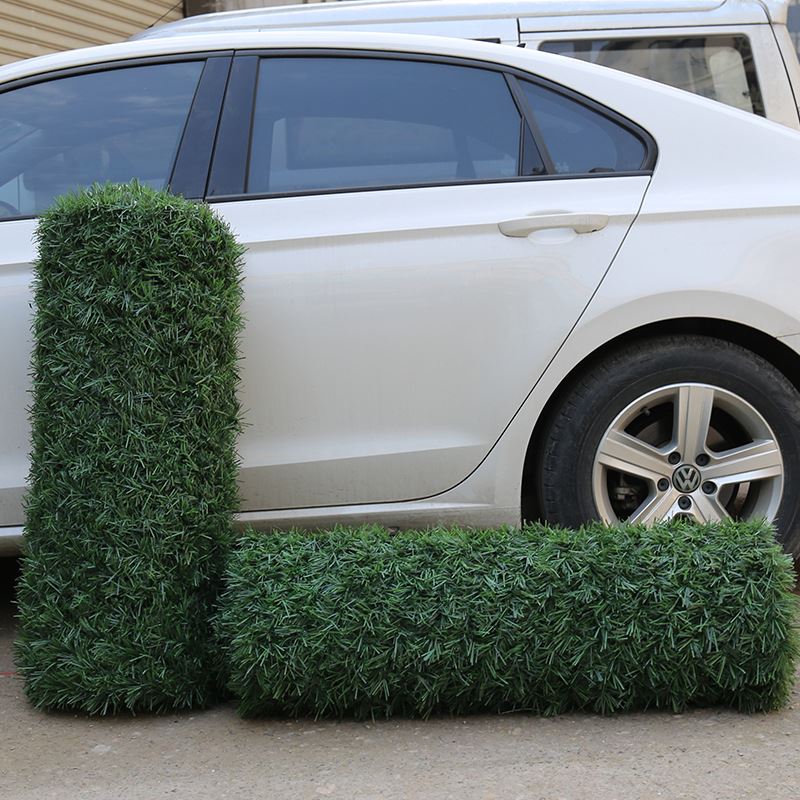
[
  {"x": 196, "y": 131},
  {"x": 192, "y": 165},
  {"x": 228, "y": 170},
  {"x": 235, "y": 132}
]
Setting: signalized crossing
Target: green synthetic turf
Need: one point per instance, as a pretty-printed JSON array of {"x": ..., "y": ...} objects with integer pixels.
[
  {"x": 133, "y": 478},
  {"x": 371, "y": 623}
]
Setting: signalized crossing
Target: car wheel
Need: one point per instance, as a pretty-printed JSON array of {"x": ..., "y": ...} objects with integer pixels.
[{"x": 681, "y": 426}]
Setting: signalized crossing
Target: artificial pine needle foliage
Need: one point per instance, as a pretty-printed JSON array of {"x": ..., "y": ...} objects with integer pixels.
[
  {"x": 133, "y": 466},
  {"x": 369, "y": 623}
]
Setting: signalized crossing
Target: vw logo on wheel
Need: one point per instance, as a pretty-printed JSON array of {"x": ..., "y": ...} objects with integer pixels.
[{"x": 686, "y": 479}]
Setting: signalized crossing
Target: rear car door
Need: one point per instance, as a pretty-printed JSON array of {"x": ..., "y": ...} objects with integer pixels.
[{"x": 421, "y": 236}]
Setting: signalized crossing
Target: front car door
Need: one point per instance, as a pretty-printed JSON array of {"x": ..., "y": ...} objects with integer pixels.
[{"x": 67, "y": 130}]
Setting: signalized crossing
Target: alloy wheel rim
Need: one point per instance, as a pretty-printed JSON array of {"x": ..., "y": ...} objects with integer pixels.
[{"x": 688, "y": 450}]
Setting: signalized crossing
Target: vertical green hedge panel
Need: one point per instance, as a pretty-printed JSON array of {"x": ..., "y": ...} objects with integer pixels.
[{"x": 133, "y": 469}]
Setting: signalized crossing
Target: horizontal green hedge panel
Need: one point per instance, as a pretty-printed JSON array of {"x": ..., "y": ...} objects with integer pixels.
[{"x": 371, "y": 623}]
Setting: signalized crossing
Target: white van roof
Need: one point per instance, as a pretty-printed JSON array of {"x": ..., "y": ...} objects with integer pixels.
[{"x": 392, "y": 12}]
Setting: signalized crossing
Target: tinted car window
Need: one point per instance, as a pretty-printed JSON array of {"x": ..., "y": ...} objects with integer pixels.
[
  {"x": 116, "y": 125},
  {"x": 581, "y": 140},
  {"x": 718, "y": 67},
  {"x": 333, "y": 123}
]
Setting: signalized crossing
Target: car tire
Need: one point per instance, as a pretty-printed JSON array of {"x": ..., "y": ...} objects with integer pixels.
[{"x": 611, "y": 450}]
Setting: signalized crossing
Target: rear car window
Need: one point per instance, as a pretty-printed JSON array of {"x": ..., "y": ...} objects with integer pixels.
[
  {"x": 65, "y": 133},
  {"x": 580, "y": 139},
  {"x": 338, "y": 123},
  {"x": 718, "y": 67}
]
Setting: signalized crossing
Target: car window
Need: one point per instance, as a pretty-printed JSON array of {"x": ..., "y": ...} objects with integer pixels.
[
  {"x": 337, "y": 123},
  {"x": 579, "y": 139},
  {"x": 116, "y": 125},
  {"x": 793, "y": 24},
  {"x": 718, "y": 67}
]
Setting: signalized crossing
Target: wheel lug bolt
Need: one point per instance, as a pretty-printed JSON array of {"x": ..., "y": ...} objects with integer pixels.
[
  {"x": 702, "y": 460},
  {"x": 685, "y": 503},
  {"x": 663, "y": 485},
  {"x": 674, "y": 458},
  {"x": 709, "y": 487}
]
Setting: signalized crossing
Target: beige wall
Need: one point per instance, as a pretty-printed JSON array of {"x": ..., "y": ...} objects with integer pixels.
[{"x": 34, "y": 27}]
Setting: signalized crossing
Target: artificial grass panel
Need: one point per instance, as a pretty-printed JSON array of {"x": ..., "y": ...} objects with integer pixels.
[
  {"x": 133, "y": 465},
  {"x": 369, "y": 623}
]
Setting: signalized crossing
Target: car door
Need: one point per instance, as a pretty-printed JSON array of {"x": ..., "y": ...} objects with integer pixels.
[
  {"x": 417, "y": 251},
  {"x": 64, "y": 131}
]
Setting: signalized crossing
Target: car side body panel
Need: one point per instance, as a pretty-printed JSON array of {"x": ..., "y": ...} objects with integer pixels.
[
  {"x": 15, "y": 346},
  {"x": 737, "y": 263},
  {"x": 717, "y": 237}
]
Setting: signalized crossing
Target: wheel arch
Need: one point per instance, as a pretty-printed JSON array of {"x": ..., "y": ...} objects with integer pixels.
[{"x": 772, "y": 349}]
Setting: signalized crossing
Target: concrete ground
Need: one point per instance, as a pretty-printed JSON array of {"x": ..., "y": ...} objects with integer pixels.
[{"x": 214, "y": 755}]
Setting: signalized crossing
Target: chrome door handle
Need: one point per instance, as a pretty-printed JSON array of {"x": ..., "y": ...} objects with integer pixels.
[{"x": 580, "y": 223}]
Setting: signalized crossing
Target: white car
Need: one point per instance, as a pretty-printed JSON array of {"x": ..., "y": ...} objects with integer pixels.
[
  {"x": 482, "y": 283},
  {"x": 736, "y": 51}
]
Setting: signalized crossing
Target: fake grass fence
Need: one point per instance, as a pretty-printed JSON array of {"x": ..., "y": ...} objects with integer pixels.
[
  {"x": 368, "y": 623},
  {"x": 133, "y": 487},
  {"x": 133, "y": 476}
]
